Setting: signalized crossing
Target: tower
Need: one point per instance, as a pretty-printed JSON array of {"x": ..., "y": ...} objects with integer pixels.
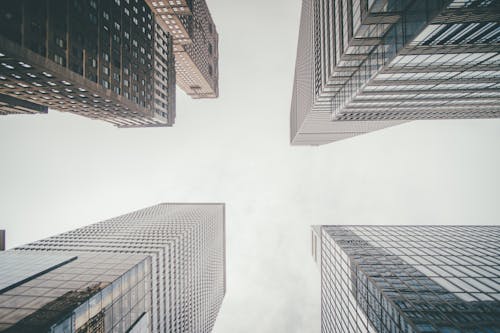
[
  {"x": 105, "y": 59},
  {"x": 196, "y": 44},
  {"x": 158, "y": 269},
  {"x": 408, "y": 278},
  {"x": 366, "y": 65}
]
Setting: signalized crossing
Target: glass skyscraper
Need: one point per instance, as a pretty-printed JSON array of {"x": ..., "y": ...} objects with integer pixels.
[
  {"x": 159, "y": 269},
  {"x": 408, "y": 278},
  {"x": 363, "y": 65}
]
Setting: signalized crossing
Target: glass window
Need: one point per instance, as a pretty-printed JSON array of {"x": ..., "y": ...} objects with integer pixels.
[
  {"x": 95, "y": 305},
  {"x": 126, "y": 303},
  {"x": 117, "y": 288},
  {"x": 447, "y": 284},
  {"x": 81, "y": 315},
  {"x": 107, "y": 296},
  {"x": 65, "y": 327},
  {"x": 117, "y": 311}
]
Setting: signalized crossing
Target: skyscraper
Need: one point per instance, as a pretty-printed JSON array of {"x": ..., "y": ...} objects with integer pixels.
[
  {"x": 364, "y": 65},
  {"x": 105, "y": 59},
  {"x": 196, "y": 44},
  {"x": 408, "y": 278},
  {"x": 159, "y": 269}
]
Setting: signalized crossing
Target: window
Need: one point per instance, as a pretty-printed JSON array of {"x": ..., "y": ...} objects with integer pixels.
[
  {"x": 59, "y": 59},
  {"x": 60, "y": 42}
]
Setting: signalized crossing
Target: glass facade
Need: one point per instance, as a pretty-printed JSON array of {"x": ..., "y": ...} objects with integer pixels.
[
  {"x": 159, "y": 269},
  {"x": 409, "y": 278},
  {"x": 122, "y": 305},
  {"x": 16, "y": 267},
  {"x": 98, "y": 292},
  {"x": 380, "y": 62}
]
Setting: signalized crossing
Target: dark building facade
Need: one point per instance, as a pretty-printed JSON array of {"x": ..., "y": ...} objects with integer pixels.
[
  {"x": 158, "y": 269},
  {"x": 195, "y": 44},
  {"x": 2, "y": 240},
  {"x": 97, "y": 58},
  {"x": 365, "y": 65},
  {"x": 11, "y": 105},
  {"x": 410, "y": 279}
]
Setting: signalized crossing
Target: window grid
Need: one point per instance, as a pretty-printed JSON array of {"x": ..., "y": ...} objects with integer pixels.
[{"x": 410, "y": 278}]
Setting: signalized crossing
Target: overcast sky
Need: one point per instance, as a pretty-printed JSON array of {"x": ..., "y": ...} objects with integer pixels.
[{"x": 60, "y": 171}]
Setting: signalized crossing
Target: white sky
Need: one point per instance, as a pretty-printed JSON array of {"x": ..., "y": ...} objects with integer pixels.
[{"x": 60, "y": 171}]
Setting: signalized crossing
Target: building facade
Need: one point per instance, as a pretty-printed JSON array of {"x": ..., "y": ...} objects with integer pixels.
[
  {"x": 11, "y": 105},
  {"x": 159, "y": 269},
  {"x": 2, "y": 240},
  {"x": 195, "y": 44},
  {"x": 365, "y": 65},
  {"x": 99, "y": 58},
  {"x": 408, "y": 278}
]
